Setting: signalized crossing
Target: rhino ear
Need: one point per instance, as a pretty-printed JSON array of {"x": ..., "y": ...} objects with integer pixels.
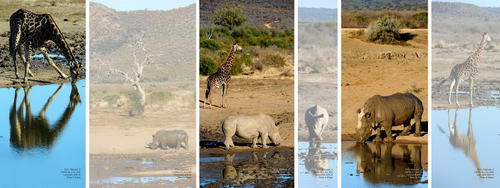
[{"x": 358, "y": 111}]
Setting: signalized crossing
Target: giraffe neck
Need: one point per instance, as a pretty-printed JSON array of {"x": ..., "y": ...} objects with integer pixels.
[
  {"x": 474, "y": 58},
  {"x": 228, "y": 64},
  {"x": 60, "y": 41}
]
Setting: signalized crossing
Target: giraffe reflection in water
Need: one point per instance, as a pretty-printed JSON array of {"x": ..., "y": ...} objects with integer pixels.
[
  {"x": 464, "y": 142},
  {"x": 32, "y": 131}
]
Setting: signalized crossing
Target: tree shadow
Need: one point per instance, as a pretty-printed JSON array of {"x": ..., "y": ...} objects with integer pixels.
[
  {"x": 406, "y": 36},
  {"x": 204, "y": 104}
]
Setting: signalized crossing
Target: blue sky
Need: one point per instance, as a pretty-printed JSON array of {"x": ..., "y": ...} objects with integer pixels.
[
  {"x": 125, "y": 5},
  {"x": 481, "y": 3},
  {"x": 318, "y": 3}
]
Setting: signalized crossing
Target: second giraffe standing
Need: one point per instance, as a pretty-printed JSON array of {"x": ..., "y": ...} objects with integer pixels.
[{"x": 221, "y": 78}]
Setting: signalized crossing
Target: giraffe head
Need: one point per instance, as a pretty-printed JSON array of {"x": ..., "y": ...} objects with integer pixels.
[
  {"x": 488, "y": 42},
  {"x": 75, "y": 68},
  {"x": 236, "y": 47}
]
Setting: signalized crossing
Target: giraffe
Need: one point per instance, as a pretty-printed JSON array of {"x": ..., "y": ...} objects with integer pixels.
[
  {"x": 221, "y": 78},
  {"x": 30, "y": 31},
  {"x": 467, "y": 70}
]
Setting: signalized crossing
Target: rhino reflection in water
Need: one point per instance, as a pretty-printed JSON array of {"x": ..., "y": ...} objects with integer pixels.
[
  {"x": 249, "y": 171},
  {"x": 316, "y": 161},
  {"x": 28, "y": 131},
  {"x": 465, "y": 142},
  {"x": 379, "y": 165}
]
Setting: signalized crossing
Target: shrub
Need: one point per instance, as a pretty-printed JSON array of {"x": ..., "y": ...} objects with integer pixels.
[
  {"x": 420, "y": 20},
  {"x": 209, "y": 44},
  {"x": 385, "y": 30},
  {"x": 207, "y": 66},
  {"x": 229, "y": 17}
]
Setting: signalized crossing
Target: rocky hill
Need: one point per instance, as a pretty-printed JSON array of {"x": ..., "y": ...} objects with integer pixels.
[{"x": 170, "y": 34}]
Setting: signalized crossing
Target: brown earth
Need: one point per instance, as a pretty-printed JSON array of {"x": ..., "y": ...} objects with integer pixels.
[
  {"x": 248, "y": 95},
  {"x": 117, "y": 140},
  {"x": 70, "y": 17},
  {"x": 374, "y": 69}
]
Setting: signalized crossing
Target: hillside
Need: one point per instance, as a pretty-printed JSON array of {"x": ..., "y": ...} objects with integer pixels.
[
  {"x": 317, "y": 15},
  {"x": 474, "y": 21},
  {"x": 169, "y": 33},
  {"x": 258, "y": 12},
  {"x": 384, "y": 4}
]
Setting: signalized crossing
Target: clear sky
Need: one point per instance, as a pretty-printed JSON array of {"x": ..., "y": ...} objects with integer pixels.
[
  {"x": 481, "y": 3},
  {"x": 125, "y": 5},
  {"x": 318, "y": 3}
]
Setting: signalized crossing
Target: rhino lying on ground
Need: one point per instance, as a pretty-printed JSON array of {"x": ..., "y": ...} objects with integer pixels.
[
  {"x": 164, "y": 139},
  {"x": 316, "y": 119},
  {"x": 251, "y": 127},
  {"x": 387, "y": 111}
]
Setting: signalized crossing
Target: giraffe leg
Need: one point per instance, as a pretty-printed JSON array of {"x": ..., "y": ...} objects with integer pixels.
[
  {"x": 13, "y": 55},
  {"x": 456, "y": 91},
  {"x": 471, "y": 85},
  {"x": 27, "y": 54},
  {"x": 222, "y": 90},
  {"x": 22, "y": 52},
  {"x": 451, "y": 89},
  {"x": 51, "y": 63}
]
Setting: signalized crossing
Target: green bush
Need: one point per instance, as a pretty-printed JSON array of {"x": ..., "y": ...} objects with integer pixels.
[
  {"x": 384, "y": 30},
  {"x": 209, "y": 44},
  {"x": 207, "y": 66},
  {"x": 229, "y": 17},
  {"x": 420, "y": 20}
]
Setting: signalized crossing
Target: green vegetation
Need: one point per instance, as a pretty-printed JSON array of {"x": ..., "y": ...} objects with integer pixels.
[
  {"x": 228, "y": 27},
  {"x": 411, "y": 19},
  {"x": 229, "y": 17},
  {"x": 385, "y": 31}
]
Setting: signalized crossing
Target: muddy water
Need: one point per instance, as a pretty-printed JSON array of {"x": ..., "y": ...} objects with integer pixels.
[
  {"x": 270, "y": 168},
  {"x": 317, "y": 164},
  {"x": 384, "y": 165},
  {"x": 42, "y": 136},
  {"x": 465, "y": 147}
]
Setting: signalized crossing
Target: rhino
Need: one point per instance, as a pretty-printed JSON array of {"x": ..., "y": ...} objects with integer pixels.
[
  {"x": 387, "y": 111},
  {"x": 251, "y": 127},
  {"x": 167, "y": 139},
  {"x": 316, "y": 119}
]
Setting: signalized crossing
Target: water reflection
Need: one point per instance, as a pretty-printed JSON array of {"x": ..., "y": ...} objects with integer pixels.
[
  {"x": 316, "y": 161},
  {"x": 29, "y": 131},
  {"x": 248, "y": 169},
  {"x": 389, "y": 163},
  {"x": 464, "y": 142}
]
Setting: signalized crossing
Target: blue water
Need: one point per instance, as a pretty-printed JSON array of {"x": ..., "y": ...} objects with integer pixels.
[
  {"x": 141, "y": 180},
  {"x": 45, "y": 153},
  {"x": 459, "y": 152},
  {"x": 317, "y": 165},
  {"x": 395, "y": 170}
]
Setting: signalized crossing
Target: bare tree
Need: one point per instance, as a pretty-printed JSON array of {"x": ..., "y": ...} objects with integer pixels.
[{"x": 141, "y": 59}]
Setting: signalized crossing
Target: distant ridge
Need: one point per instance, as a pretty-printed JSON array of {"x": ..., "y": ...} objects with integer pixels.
[
  {"x": 384, "y": 4},
  {"x": 317, "y": 14}
]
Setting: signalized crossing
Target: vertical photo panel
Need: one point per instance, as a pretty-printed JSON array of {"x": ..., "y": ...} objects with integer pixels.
[
  {"x": 246, "y": 93},
  {"x": 317, "y": 93},
  {"x": 384, "y": 87},
  {"x": 42, "y": 137},
  {"x": 142, "y": 88},
  {"x": 465, "y": 93}
]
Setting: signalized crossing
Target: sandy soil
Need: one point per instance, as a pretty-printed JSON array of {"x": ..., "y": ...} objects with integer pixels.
[
  {"x": 367, "y": 70},
  {"x": 318, "y": 89},
  {"x": 71, "y": 19},
  {"x": 117, "y": 146},
  {"x": 249, "y": 96}
]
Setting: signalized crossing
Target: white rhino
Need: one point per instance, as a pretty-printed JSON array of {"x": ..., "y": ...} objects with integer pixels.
[{"x": 316, "y": 119}]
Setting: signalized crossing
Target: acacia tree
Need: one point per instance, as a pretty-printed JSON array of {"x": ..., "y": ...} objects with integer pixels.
[
  {"x": 141, "y": 59},
  {"x": 229, "y": 17}
]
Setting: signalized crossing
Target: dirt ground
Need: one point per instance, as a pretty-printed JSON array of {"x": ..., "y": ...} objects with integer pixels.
[
  {"x": 318, "y": 89},
  {"x": 247, "y": 95},
  {"x": 373, "y": 69},
  {"x": 117, "y": 143},
  {"x": 70, "y": 17}
]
